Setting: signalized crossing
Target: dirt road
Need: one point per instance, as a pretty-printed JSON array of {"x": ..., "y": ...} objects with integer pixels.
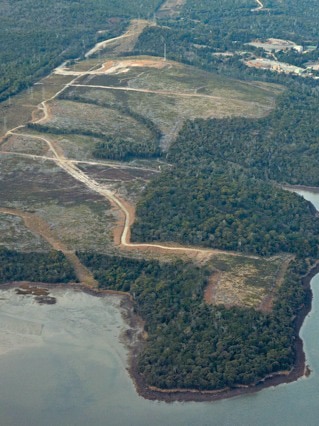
[
  {"x": 126, "y": 41},
  {"x": 126, "y": 210},
  {"x": 156, "y": 92},
  {"x": 39, "y": 227}
]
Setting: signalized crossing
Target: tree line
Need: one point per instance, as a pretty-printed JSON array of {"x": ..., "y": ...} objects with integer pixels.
[
  {"x": 191, "y": 344},
  {"x": 50, "y": 267}
]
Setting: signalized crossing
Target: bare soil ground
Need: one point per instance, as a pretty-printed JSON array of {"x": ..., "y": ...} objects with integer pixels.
[{"x": 122, "y": 66}]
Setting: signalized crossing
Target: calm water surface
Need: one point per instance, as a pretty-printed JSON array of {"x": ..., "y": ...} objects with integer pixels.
[{"x": 65, "y": 364}]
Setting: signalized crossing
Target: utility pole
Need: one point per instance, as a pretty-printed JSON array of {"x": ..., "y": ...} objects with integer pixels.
[
  {"x": 165, "y": 47},
  {"x": 31, "y": 92}
]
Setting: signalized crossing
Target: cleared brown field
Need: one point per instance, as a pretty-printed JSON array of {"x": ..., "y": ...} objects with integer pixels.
[{"x": 242, "y": 281}]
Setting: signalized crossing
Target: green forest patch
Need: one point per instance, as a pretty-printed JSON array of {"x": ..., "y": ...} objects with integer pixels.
[
  {"x": 224, "y": 207},
  {"x": 193, "y": 345},
  {"x": 50, "y": 267}
]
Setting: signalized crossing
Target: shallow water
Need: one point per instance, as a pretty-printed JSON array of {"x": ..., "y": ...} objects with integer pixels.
[{"x": 64, "y": 364}]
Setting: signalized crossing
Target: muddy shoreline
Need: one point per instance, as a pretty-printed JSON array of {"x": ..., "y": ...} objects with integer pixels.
[
  {"x": 133, "y": 339},
  {"x": 313, "y": 189}
]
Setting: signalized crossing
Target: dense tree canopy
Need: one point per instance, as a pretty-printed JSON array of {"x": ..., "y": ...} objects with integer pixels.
[
  {"x": 50, "y": 267},
  {"x": 194, "y": 345}
]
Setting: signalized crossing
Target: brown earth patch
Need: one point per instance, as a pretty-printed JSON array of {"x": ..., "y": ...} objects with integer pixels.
[
  {"x": 111, "y": 67},
  {"x": 210, "y": 289}
]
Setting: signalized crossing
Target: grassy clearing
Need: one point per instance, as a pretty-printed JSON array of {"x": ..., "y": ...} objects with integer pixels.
[
  {"x": 33, "y": 183},
  {"x": 80, "y": 118},
  {"x": 155, "y": 74},
  {"x": 168, "y": 112},
  {"x": 78, "y": 147},
  {"x": 78, "y": 217},
  {"x": 241, "y": 281},
  {"x": 14, "y": 235},
  {"x": 181, "y": 93},
  {"x": 82, "y": 227}
]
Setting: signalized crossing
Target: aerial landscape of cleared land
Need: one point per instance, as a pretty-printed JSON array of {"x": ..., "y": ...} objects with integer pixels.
[{"x": 153, "y": 162}]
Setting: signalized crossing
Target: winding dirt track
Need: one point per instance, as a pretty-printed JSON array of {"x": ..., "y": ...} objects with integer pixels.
[{"x": 127, "y": 211}]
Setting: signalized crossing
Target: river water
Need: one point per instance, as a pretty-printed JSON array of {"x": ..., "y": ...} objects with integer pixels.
[{"x": 64, "y": 364}]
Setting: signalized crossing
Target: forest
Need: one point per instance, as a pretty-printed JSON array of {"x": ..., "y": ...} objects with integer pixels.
[
  {"x": 223, "y": 207},
  {"x": 51, "y": 267},
  {"x": 206, "y": 28},
  {"x": 224, "y": 190},
  {"x": 283, "y": 146},
  {"x": 191, "y": 344},
  {"x": 226, "y": 174}
]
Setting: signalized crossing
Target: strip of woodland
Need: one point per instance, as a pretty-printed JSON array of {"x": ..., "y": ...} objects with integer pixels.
[{"x": 50, "y": 267}]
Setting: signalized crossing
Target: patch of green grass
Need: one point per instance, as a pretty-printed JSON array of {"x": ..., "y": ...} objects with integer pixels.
[
  {"x": 76, "y": 117},
  {"x": 183, "y": 93},
  {"x": 86, "y": 227},
  {"x": 14, "y": 235}
]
